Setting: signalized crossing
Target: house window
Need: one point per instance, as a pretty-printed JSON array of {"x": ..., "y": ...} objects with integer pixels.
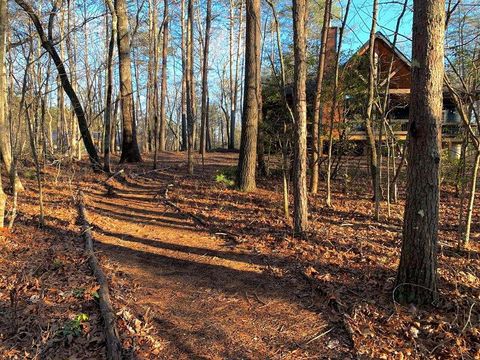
[{"x": 451, "y": 116}]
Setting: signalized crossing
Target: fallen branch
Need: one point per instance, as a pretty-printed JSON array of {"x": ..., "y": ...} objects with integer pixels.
[
  {"x": 121, "y": 171},
  {"x": 110, "y": 189},
  {"x": 114, "y": 347}
]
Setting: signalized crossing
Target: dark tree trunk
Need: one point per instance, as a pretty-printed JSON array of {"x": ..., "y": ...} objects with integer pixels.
[
  {"x": 130, "y": 150},
  {"x": 417, "y": 272},
  {"x": 248, "y": 144}
]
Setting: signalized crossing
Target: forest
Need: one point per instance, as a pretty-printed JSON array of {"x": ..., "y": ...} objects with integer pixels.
[{"x": 239, "y": 179}]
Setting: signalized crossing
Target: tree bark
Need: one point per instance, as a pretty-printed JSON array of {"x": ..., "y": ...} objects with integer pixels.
[
  {"x": 130, "y": 150},
  {"x": 300, "y": 209},
  {"x": 417, "y": 272},
  {"x": 248, "y": 145}
]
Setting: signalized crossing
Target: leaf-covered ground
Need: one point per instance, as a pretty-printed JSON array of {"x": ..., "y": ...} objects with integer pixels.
[{"x": 199, "y": 270}]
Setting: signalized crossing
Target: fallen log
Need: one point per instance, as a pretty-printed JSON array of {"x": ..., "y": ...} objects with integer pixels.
[{"x": 114, "y": 347}]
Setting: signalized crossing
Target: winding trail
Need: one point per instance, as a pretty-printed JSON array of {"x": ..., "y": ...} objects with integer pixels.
[{"x": 209, "y": 300}]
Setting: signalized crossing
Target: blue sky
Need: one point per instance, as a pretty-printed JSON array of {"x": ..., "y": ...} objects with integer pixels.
[{"x": 360, "y": 20}]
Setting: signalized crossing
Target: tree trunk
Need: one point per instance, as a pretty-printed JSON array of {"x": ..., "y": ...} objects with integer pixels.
[
  {"x": 37, "y": 166},
  {"x": 109, "y": 91},
  {"x": 163, "y": 97},
  {"x": 316, "y": 105},
  {"x": 130, "y": 151},
  {"x": 190, "y": 88},
  {"x": 300, "y": 210},
  {"x": 374, "y": 168},
  {"x": 184, "y": 84},
  {"x": 248, "y": 145},
  {"x": 261, "y": 163},
  {"x": 231, "y": 139},
  {"x": 5, "y": 139},
  {"x": 334, "y": 106},
  {"x": 203, "y": 126},
  {"x": 417, "y": 272},
  {"x": 3, "y": 97},
  {"x": 471, "y": 199},
  {"x": 152, "y": 85}
]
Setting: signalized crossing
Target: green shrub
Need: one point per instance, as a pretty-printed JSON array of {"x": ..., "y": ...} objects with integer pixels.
[
  {"x": 226, "y": 176},
  {"x": 74, "y": 327}
]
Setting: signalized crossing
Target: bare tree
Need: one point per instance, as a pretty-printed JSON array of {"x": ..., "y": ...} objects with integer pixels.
[
  {"x": 48, "y": 44},
  {"x": 463, "y": 81}
]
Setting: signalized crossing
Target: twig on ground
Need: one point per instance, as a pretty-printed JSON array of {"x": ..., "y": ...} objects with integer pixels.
[{"x": 317, "y": 337}]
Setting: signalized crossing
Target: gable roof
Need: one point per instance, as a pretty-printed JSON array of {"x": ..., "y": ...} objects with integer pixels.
[{"x": 383, "y": 38}]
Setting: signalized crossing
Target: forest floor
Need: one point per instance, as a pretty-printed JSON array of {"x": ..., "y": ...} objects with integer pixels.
[{"x": 201, "y": 271}]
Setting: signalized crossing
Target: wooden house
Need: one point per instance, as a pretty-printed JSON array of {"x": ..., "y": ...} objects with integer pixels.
[{"x": 391, "y": 58}]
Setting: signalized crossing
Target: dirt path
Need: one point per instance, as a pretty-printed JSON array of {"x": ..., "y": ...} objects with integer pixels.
[{"x": 208, "y": 300}]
